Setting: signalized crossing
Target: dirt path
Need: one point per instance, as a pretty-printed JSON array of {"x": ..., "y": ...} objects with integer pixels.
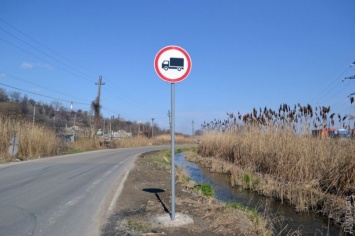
[{"x": 147, "y": 193}]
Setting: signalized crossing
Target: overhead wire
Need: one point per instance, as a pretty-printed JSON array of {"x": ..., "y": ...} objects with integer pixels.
[
  {"x": 40, "y": 86},
  {"x": 43, "y": 60},
  {"x": 330, "y": 86},
  {"x": 41, "y": 95},
  {"x": 47, "y": 48},
  {"x": 129, "y": 96},
  {"x": 73, "y": 71}
]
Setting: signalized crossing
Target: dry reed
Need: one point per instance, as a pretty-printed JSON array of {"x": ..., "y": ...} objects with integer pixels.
[
  {"x": 307, "y": 172},
  {"x": 35, "y": 141},
  {"x": 272, "y": 152},
  {"x": 164, "y": 139}
]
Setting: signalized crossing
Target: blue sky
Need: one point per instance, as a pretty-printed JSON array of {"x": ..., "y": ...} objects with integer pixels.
[{"x": 245, "y": 54}]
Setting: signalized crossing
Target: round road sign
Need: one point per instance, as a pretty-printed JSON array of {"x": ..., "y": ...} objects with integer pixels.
[
  {"x": 13, "y": 149},
  {"x": 172, "y": 64}
]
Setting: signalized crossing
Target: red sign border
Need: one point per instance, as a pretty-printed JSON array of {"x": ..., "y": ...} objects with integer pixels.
[{"x": 156, "y": 66}]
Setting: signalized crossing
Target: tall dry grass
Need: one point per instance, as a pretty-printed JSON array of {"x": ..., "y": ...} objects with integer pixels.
[
  {"x": 35, "y": 141},
  {"x": 309, "y": 173},
  {"x": 326, "y": 163},
  {"x": 272, "y": 152},
  {"x": 163, "y": 139}
]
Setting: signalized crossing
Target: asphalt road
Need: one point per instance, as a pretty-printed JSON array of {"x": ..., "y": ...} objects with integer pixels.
[{"x": 65, "y": 195}]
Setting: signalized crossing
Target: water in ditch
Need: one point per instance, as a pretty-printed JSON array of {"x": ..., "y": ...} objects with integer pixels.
[{"x": 286, "y": 218}]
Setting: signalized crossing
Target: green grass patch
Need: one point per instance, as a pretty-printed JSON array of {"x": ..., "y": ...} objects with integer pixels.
[
  {"x": 137, "y": 226},
  {"x": 72, "y": 151},
  {"x": 162, "y": 158},
  {"x": 185, "y": 149},
  {"x": 207, "y": 190},
  {"x": 250, "y": 181}
]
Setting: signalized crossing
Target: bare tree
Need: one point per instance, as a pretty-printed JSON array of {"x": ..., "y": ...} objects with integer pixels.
[
  {"x": 3, "y": 95},
  {"x": 15, "y": 96},
  {"x": 56, "y": 105},
  {"x": 23, "y": 104}
]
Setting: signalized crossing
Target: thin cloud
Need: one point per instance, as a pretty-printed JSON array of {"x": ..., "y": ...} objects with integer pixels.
[
  {"x": 29, "y": 65},
  {"x": 2, "y": 75}
]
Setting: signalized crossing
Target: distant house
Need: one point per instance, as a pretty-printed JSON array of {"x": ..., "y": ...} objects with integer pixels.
[
  {"x": 330, "y": 133},
  {"x": 99, "y": 132},
  {"x": 121, "y": 134},
  {"x": 69, "y": 133}
]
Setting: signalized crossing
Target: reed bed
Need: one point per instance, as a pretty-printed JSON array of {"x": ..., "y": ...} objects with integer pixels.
[
  {"x": 272, "y": 152},
  {"x": 328, "y": 164},
  {"x": 35, "y": 141},
  {"x": 163, "y": 139}
]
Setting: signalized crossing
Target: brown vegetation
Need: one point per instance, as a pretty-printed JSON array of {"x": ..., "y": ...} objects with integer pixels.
[
  {"x": 35, "y": 141},
  {"x": 273, "y": 153},
  {"x": 163, "y": 139}
]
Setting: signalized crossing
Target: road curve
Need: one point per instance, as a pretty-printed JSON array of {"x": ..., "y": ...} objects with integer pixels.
[{"x": 64, "y": 195}]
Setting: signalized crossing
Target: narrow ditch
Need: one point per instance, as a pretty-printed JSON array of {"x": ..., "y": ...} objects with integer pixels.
[{"x": 285, "y": 218}]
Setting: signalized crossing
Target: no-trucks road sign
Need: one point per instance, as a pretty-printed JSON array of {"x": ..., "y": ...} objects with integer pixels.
[{"x": 172, "y": 64}]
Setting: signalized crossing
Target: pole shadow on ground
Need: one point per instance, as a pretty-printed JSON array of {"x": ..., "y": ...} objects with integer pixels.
[{"x": 156, "y": 191}]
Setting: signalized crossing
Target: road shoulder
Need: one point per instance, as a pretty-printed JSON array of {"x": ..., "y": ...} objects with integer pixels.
[{"x": 146, "y": 195}]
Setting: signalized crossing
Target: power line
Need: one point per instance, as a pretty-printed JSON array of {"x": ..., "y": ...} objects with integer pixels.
[
  {"x": 25, "y": 81},
  {"x": 38, "y": 50},
  {"x": 41, "y": 95},
  {"x": 129, "y": 97},
  {"x": 43, "y": 60},
  {"x": 330, "y": 86},
  {"x": 44, "y": 46}
]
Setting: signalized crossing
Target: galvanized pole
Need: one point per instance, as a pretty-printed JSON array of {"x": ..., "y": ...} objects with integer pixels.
[{"x": 172, "y": 151}]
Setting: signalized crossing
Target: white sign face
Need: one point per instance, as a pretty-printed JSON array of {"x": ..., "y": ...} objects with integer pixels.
[
  {"x": 172, "y": 64},
  {"x": 13, "y": 150},
  {"x": 14, "y": 140}
]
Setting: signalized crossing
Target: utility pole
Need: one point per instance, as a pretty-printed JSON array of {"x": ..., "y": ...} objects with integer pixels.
[
  {"x": 152, "y": 127},
  {"x": 55, "y": 115},
  {"x": 350, "y": 77},
  {"x": 351, "y": 102},
  {"x": 34, "y": 114},
  {"x": 110, "y": 129},
  {"x": 71, "y": 108},
  {"x": 103, "y": 130},
  {"x": 96, "y": 106},
  {"x": 193, "y": 128}
]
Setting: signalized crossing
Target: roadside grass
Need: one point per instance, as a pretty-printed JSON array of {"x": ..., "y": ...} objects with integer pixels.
[
  {"x": 309, "y": 173},
  {"x": 252, "y": 213},
  {"x": 137, "y": 226},
  {"x": 163, "y": 159},
  {"x": 163, "y": 139},
  {"x": 35, "y": 141},
  {"x": 38, "y": 141}
]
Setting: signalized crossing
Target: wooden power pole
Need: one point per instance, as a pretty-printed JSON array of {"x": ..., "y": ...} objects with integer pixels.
[{"x": 96, "y": 106}]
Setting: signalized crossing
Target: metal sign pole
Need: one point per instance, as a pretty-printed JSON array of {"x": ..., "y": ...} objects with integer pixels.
[
  {"x": 172, "y": 64},
  {"x": 172, "y": 132}
]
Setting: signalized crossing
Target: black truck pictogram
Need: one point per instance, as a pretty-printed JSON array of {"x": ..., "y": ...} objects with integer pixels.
[{"x": 173, "y": 63}]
